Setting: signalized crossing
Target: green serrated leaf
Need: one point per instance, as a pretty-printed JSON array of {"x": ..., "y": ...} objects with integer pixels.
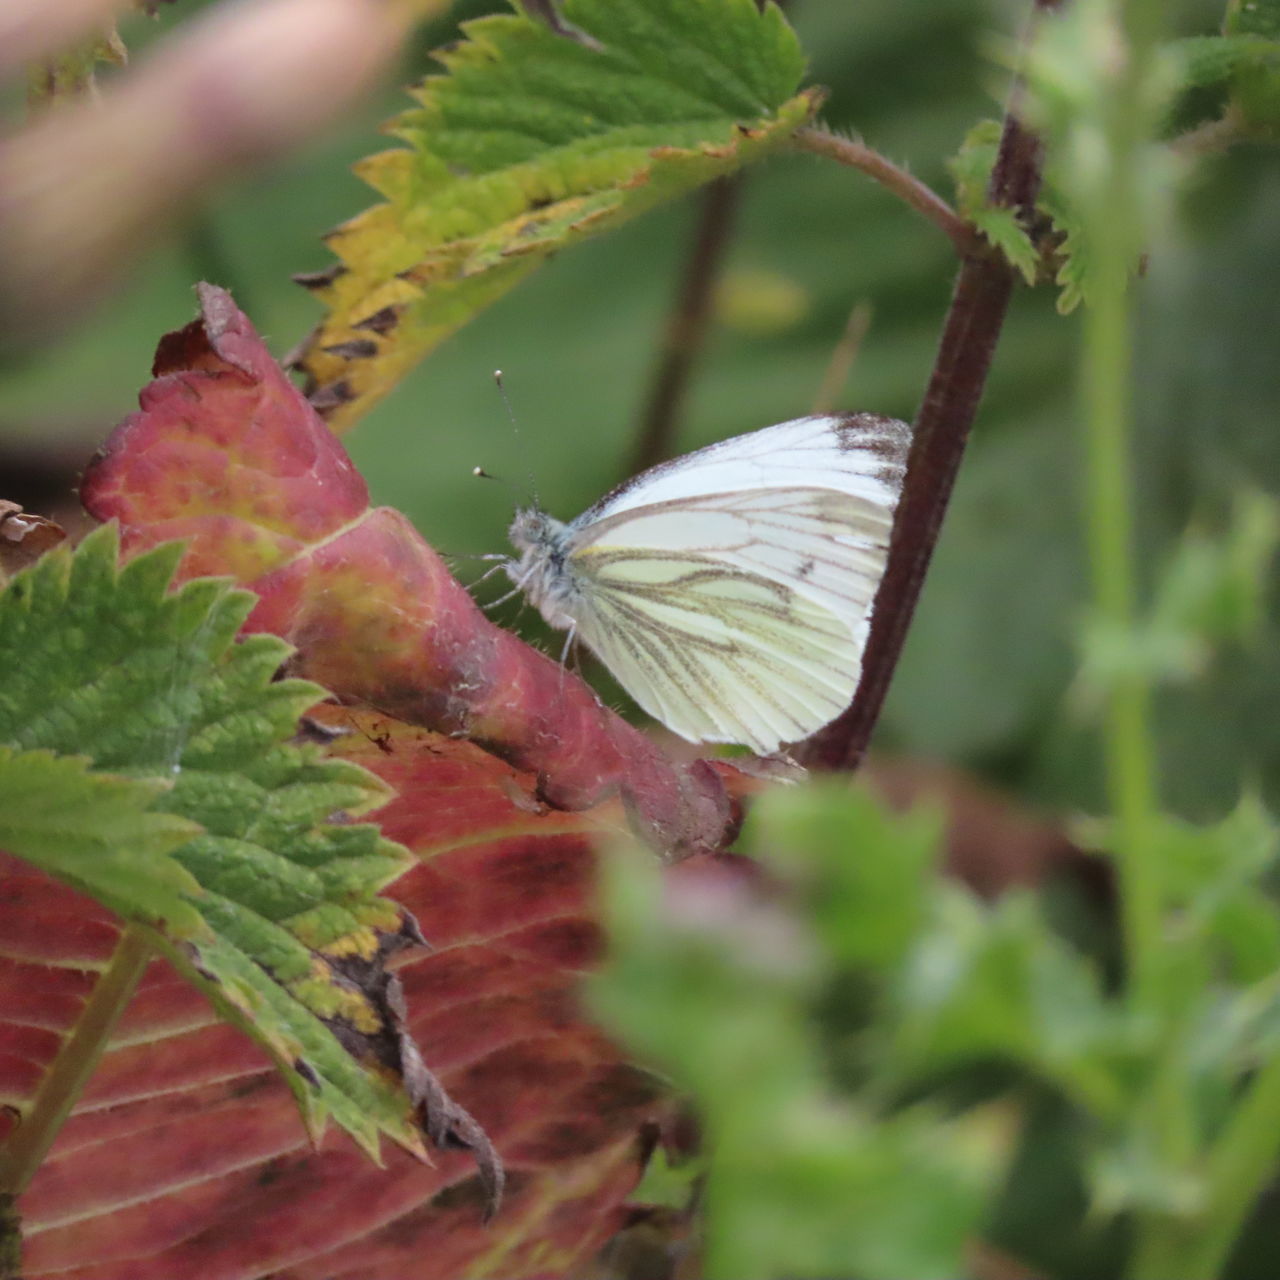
[
  {"x": 1212, "y": 590},
  {"x": 210, "y": 825},
  {"x": 95, "y": 831},
  {"x": 1075, "y": 267},
  {"x": 532, "y": 141},
  {"x": 971, "y": 168},
  {"x": 1002, "y": 228}
]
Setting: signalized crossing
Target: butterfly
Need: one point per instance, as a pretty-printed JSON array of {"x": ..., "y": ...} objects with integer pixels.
[{"x": 730, "y": 591}]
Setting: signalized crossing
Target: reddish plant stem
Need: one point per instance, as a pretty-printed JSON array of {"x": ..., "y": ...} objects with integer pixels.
[
  {"x": 922, "y": 198},
  {"x": 950, "y": 404},
  {"x": 687, "y": 325}
]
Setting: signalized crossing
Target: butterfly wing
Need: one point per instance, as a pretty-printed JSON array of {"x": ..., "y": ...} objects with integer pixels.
[
  {"x": 862, "y": 454},
  {"x": 716, "y": 655},
  {"x": 730, "y": 591}
]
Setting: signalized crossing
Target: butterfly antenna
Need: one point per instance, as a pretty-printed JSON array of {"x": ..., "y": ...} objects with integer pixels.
[{"x": 515, "y": 430}]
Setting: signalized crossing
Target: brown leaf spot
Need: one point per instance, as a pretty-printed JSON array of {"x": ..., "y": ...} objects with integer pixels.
[
  {"x": 381, "y": 321},
  {"x": 355, "y": 349}
]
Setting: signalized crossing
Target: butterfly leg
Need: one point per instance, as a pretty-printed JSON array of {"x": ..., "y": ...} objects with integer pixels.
[{"x": 567, "y": 650}]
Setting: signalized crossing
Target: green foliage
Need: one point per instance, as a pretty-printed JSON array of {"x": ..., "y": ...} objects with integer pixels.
[
  {"x": 1212, "y": 593},
  {"x": 146, "y": 760},
  {"x": 1252, "y": 29},
  {"x": 1235, "y": 76},
  {"x": 719, "y": 989},
  {"x": 533, "y": 141},
  {"x": 1253, "y": 17},
  {"x": 95, "y": 830},
  {"x": 850, "y": 1155},
  {"x": 1062, "y": 252},
  {"x": 971, "y": 169}
]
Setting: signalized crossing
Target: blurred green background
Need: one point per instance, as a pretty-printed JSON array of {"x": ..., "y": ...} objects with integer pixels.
[{"x": 992, "y": 653}]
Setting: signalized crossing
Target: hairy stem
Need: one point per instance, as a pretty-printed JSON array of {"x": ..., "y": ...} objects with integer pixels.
[
  {"x": 686, "y": 328},
  {"x": 950, "y": 404},
  {"x": 65, "y": 1079},
  {"x": 922, "y": 198}
]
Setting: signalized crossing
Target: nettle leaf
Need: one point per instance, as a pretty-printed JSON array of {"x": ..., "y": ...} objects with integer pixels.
[
  {"x": 1215, "y": 875},
  {"x": 1071, "y": 262},
  {"x": 96, "y": 830},
  {"x": 186, "y": 1157},
  {"x": 268, "y": 905},
  {"x": 994, "y": 982},
  {"x": 227, "y": 453},
  {"x": 971, "y": 168},
  {"x": 532, "y": 141}
]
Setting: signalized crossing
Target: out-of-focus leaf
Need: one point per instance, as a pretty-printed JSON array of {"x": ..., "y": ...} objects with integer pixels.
[
  {"x": 993, "y": 982},
  {"x": 1212, "y": 873},
  {"x": 1213, "y": 591},
  {"x": 865, "y": 871},
  {"x": 1228, "y": 78},
  {"x": 227, "y": 453},
  {"x": 267, "y": 904},
  {"x": 1253, "y": 17},
  {"x": 710, "y": 980},
  {"x": 186, "y": 1158},
  {"x": 532, "y": 141},
  {"x": 72, "y": 73},
  {"x": 1254, "y": 27},
  {"x": 1211, "y": 60}
]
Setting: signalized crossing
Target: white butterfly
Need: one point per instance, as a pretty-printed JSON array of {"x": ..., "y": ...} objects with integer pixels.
[{"x": 730, "y": 590}]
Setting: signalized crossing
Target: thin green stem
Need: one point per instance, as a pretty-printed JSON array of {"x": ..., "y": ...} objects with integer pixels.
[
  {"x": 76, "y": 1060},
  {"x": 1106, "y": 395},
  {"x": 1240, "y": 1165}
]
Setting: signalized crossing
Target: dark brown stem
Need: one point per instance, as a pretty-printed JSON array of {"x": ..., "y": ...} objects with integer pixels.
[
  {"x": 686, "y": 329},
  {"x": 922, "y": 198},
  {"x": 947, "y": 411}
]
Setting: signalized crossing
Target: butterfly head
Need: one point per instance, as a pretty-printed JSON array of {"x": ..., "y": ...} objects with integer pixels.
[{"x": 542, "y": 571}]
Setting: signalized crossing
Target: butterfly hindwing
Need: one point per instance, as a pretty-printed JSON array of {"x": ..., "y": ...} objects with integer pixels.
[{"x": 716, "y": 655}]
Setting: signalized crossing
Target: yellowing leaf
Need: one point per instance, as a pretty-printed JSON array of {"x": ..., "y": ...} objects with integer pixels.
[{"x": 532, "y": 141}]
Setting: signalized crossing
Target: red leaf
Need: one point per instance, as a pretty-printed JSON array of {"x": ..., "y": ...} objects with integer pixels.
[
  {"x": 186, "y": 1156},
  {"x": 228, "y": 454}
]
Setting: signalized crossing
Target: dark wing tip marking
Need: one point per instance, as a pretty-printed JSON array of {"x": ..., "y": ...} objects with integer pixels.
[
  {"x": 885, "y": 438},
  {"x": 888, "y": 440}
]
